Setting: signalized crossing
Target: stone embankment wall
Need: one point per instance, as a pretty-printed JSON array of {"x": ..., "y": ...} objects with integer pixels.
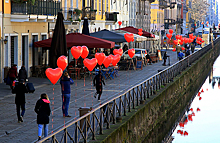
[{"x": 153, "y": 120}]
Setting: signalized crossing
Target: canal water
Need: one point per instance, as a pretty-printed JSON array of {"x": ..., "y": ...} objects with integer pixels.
[{"x": 200, "y": 122}]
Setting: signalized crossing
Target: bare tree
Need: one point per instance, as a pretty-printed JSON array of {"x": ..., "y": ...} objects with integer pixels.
[{"x": 199, "y": 9}]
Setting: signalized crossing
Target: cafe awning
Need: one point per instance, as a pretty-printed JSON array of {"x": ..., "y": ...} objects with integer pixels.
[
  {"x": 77, "y": 39},
  {"x": 131, "y": 29},
  {"x": 109, "y": 35},
  {"x": 137, "y": 38}
]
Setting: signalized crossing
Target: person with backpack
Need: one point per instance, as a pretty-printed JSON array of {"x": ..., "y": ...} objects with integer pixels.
[
  {"x": 65, "y": 82},
  {"x": 97, "y": 82},
  {"x": 22, "y": 73},
  {"x": 42, "y": 108},
  {"x": 180, "y": 56},
  {"x": 20, "y": 90}
]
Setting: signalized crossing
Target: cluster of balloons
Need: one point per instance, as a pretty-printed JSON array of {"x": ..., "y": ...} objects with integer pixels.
[
  {"x": 140, "y": 31},
  {"x": 199, "y": 40}
]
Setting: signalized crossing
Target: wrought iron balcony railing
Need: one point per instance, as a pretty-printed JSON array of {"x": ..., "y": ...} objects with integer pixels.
[
  {"x": 163, "y": 4},
  {"x": 111, "y": 16},
  {"x": 49, "y": 8},
  {"x": 169, "y": 21},
  {"x": 179, "y": 20},
  {"x": 89, "y": 13}
]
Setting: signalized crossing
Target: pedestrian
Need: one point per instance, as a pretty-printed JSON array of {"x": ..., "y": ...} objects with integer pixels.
[
  {"x": 20, "y": 90},
  {"x": 42, "y": 108},
  {"x": 180, "y": 56},
  {"x": 148, "y": 58},
  {"x": 97, "y": 82},
  {"x": 12, "y": 73},
  {"x": 22, "y": 73},
  {"x": 178, "y": 49},
  {"x": 65, "y": 82},
  {"x": 192, "y": 47},
  {"x": 165, "y": 58}
]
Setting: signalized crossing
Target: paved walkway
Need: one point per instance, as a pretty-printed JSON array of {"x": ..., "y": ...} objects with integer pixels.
[{"x": 81, "y": 96}]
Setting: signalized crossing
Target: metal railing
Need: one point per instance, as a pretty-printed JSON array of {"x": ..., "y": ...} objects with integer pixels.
[
  {"x": 106, "y": 114},
  {"x": 49, "y": 8}
]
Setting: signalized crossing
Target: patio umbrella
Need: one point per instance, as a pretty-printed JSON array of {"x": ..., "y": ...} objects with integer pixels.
[
  {"x": 58, "y": 43},
  {"x": 109, "y": 35},
  {"x": 85, "y": 29}
]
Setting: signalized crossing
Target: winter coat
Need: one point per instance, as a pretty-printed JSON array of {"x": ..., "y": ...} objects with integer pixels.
[
  {"x": 178, "y": 48},
  {"x": 20, "y": 90},
  {"x": 65, "y": 85},
  {"x": 42, "y": 108},
  {"x": 165, "y": 56},
  {"x": 97, "y": 81},
  {"x": 13, "y": 72},
  {"x": 22, "y": 74}
]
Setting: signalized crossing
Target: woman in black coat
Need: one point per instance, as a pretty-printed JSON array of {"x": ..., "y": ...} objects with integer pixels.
[
  {"x": 20, "y": 90},
  {"x": 42, "y": 108},
  {"x": 97, "y": 81},
  {"x": 22, "y": 74}
]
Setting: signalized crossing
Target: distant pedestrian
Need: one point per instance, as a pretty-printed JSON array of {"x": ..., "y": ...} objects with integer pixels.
[
  {"x": 180, "y": 55},
  {"x": 12, "y": 73},
  {"x": 165, "y": 58},
  {"x": 42, "y": 108},
  {"x": 65, "y": 82},
  {"x": 22, "y": 74},
  {"x": 187, "y": 52},
  {"x": 149, "y": 60},
  {"x": 20, "y": 90},
  {"x": 192, "y": 47},
  {"x": 97, "y": 82},
  {"x": 178, "y": 49}
]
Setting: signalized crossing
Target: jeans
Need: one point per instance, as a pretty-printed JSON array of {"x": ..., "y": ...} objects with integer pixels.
[
  {"x": 22, "y": 106},
  {"x": 40, "y": 128},
  {"x": 65, "y": 105}
]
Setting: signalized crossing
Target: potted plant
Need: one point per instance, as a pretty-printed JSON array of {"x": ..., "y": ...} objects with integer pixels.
[{"x": 77, "y": 11}]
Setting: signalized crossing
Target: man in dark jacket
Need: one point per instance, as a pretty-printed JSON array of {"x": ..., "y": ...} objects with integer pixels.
[
  {"x": 42, "y": 108},
  {"x": 12, "y": 73},
  {"x": 22, "y": 74},
  {"x": 20, "y": 90},
  {"x": 97, "y": 82},
  {"x": 65, "y": 82}
]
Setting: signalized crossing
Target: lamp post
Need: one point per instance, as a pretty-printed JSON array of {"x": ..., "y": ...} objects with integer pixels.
[{"x": 153, "y": 24}]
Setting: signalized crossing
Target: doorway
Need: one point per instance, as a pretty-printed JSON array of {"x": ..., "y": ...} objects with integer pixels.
[
  {"x": 14, "y": 50},
  {"x": 25, "y": 53}
]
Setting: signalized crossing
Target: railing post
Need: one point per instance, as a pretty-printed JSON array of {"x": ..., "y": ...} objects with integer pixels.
[
  {"x": 108, "y": 116},
  {"x": 65, "y": 135},
  {"x": 133, "y": 99},
  {"x": 119, "y": 106},
  {"x": 148, "y": 87},
  {"x": 125, "y": 105},
  {"x": 137, "y": 96},
  {"x": 141, "y": 94},
  {"x": 76, "y": 132},
  {"x": 93, "y": 125},
  {"x": 129, "y": 101},
  {"x": 101, "y": 121},
  {"x": 114, "y": 112},
  {"x": 85, "y": 130}
]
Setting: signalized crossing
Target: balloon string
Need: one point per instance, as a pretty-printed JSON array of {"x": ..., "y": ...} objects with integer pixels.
[
  {"x": 84, "y": 92},
  {"x": 52, "y": 109},
  {"x": 91, "y": 88},
  {"x": 63, "y": 110}
]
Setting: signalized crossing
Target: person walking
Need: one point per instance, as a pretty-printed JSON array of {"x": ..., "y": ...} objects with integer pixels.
[
  {"x": 178, "y": 49},
  {"x": 180, "y": 56},
  {"x": 22, "y": 73},
  {"x": 165, "y": 58},
  {"x": 192, "y": 47},
  {"x": 97, "y": 82},
  {"x": 20, "y": 90},
  {"x": 65, "y": 82},
  {"x": 12, "y": 73},
  {"x": 42, "y": 108},
  {"x": 148, "y": 58}
]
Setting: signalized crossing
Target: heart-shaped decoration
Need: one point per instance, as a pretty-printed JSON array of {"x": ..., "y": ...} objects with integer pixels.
[
  {"x": 53, "y": 74},
  {"x": 169, "y": 36},
  {"x": 119, "y": 22},
  {"x": 90, "y": 64},
  {"x": 140, "y": 33},
  {"x": 118, "y": 51},
  {"x": 181, "y": 42},
  {"x": 131, "y": 53},
  {"x": 193, "y": 37},
  {"x": 107, "y": 61},
  {"x": 129, "y": 37},
  {"x": 186, "y": 40},
  {"x": 202, "y": 41},
  {"x": 140, "y": 30},
  {"x": 175, "y": 42},
  {"x": 85, "y": 52},
  {"x": 115, "y": 59},
  {"x": 171, "y": 31},
  {"x": 177, "y": 36},
  {"x": 100, "y": 57},
  {"x": 174, "y": 49},
  {"x": 190, "y": 35},
  {"x": 76, "y": 51},
  {"x": 183, "y": 48},
  {"x": 62, "y": 62}
]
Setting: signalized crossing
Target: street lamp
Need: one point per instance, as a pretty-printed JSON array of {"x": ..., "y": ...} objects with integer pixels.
[{"x": 153, "y": 24}]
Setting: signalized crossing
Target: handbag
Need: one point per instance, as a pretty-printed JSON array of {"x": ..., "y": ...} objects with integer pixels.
[{"x": 8, "y": 80}]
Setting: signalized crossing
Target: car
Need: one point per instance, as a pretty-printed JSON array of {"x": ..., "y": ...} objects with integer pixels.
[{"x": 137, "y": 53}]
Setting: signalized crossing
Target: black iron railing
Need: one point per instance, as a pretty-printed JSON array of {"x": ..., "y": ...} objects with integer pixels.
[
  {"x": 102, "y": 117},
  {"x": 163, "y": 4},
  {"x": 170, "y": 21},
  {"x": 49, "y": 8},
  {"x": 89, "y": 13}
]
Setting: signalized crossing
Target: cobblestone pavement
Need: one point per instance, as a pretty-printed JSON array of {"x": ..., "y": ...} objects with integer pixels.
[{"x": 82, "y": 93}]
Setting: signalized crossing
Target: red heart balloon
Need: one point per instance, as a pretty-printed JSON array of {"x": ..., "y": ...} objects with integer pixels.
[
  {"x": 76, "y": 51},
  {"x": 175, "y": 42},
  {"x": 169, "y": 36},
  {"x": 85, "y": 52},
  {"x": 53, "y": 74},
  {"x": 193, "y": 37},
  {"x": 186, "y": 40},
  {"x": 174, "y": 49},
  {"x": 129, "y": 37},
  {"x": 140, "y": 30},
  {"x": 131, "y": 53},
  {"x": 115, "y": 59},
  {"x": 119, "y": 22},
  {"x": 181, "y": 42},
  {"x": 202, "y": 41},
  {"x": 107, "y": 61},
  {"x": 90, "y": 64},
  {"x": 118, "y": 51},
  {"x": 100, "y": 57},
  {"x": 171, "y": 31},
  {"x": 140, "y": 33},
  {"x": 177, "y": 36},
  {"x": 190, "y": 35},
  {"x": 62, "y": 62},
  {"x": 183, "y": 48}
]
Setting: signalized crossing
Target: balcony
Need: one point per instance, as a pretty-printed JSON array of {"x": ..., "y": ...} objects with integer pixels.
[
  {"x": 163, "y": 4},
  {"x": 48, "y": 8},
  {"x": 111, "y": 16},
  {"x": 169, "y": 21},
  {"x": 89, "y": 13},
  {"x": 179, "y": 21}
]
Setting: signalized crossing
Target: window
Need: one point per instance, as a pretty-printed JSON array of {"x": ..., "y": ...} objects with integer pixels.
[
  {"x": 103, "y": 6},
  {"x": 100, "y": 6},
  {"x": 96, "y": 4},
  {"x": 107, "y": 5},
  {"x": 87, "y": 3}
]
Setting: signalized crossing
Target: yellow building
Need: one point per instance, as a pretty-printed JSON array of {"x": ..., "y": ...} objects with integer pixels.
[
  {"x": 188, "y": 14},
  {"x": 157, "y": 15}
]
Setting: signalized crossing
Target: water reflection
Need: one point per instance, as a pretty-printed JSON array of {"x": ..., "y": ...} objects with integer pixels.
[{"x": 200, "y": 123}]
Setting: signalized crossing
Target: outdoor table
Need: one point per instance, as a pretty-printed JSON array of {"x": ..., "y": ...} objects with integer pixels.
[{"x": 74, "y": 71}]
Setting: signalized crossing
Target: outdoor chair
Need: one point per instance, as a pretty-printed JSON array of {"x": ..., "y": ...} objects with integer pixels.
[{"x": 111, "y": 73}]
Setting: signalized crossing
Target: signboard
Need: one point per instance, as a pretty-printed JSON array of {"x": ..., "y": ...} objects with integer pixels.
[{"x": 139, "y": 64}]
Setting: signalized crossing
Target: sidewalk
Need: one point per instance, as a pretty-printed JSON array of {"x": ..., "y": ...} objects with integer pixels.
[{"x": 82, "y": 93}]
